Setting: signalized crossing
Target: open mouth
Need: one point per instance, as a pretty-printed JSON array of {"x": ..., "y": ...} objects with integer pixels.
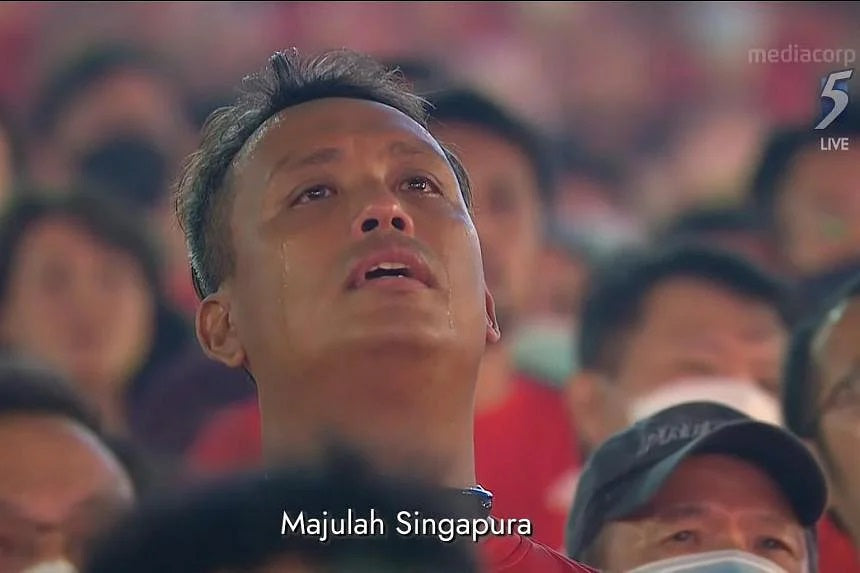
[
  {"x": 392, "y": 267},
  {"x": 395, "y": 270}
]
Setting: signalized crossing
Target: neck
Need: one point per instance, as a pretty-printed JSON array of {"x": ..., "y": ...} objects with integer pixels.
[
  {"x": 402, "y": 414},
  {"x": 495, "y": 378}
]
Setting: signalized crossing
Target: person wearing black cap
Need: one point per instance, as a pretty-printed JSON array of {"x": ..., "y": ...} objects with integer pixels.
[{"x": 698, "y": 487}]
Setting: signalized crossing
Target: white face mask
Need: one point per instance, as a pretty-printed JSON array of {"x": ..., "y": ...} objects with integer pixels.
[
  {"x": 58, "y": 566},
  {"x": 728, "y": 561},
  {"x": 741, "y": 395}
]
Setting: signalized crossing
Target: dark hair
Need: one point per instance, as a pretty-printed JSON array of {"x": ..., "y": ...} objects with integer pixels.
[
  {"x": 29, "y": 388},
  {"x": 288, "y": 80},
  {"x": 108, "y": 221},
  {"x": 800, "y": 394},
  {"x": 471, "y": 107},
  {"x": 692, "y": 224},
  {"x": 617, "y": 292},
  {"x": 86, "y": 69},
  {"x": 236, "y": 523},
  {"x": 782, "y": 148}
]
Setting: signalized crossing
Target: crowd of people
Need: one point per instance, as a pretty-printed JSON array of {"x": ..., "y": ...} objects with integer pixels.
[{"x": 362, "y": 288}]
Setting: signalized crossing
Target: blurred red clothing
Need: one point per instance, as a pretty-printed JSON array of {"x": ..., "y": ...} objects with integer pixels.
[
  {"x": 836, "y": 553},
  {"x": 517, "y": 554},
  {"x": 525, "y": 454}
]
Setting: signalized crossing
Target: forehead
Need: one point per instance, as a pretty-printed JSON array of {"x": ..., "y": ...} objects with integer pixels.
[
  {"x": 307, "y": 126},
  {"x": 480, "y": 148},
  {"x": 687, "y": 298},
  {"x": 62, "y": 458}
]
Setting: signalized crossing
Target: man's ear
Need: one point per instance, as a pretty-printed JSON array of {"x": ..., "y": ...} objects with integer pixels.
[
  {"x": 494, "y": 333},
  {"x": 587, "y": 399},
  {"x": 216, "y": 331}
]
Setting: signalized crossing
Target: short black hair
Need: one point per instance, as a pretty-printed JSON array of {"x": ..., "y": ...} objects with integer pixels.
[
  {"x": 236, "y": 523},
  {"x": 107, "y": 220},
  {"x": 202, "y": 199},
  {"x": 800, "y": 392},
  {"x": 471, "y": 107},
  {"x": 26, "y": 387},
  {"x": 783, "y": 146},
  {"x": 572, "y": 158},
  {"x": 88, "y": 68},
  {"x": 617, "y": 292},
  {"x": 695, "y": 223}
]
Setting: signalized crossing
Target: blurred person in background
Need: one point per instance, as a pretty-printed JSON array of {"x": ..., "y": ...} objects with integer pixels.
[
  {"x": 699, "y": 487},
  {"x": 821, "y": 404},
  {"x": 729, "y": 228},
  {"x": 809, "y": 199},
  {"x": 547, "y": 333},
  {"x": 235, "y": 524},
  {"x": 524, "y": 449},
  {"x": 62, "y": 482},
  {"x": 334, "y": 250},
  {"x": 667, "y": 326},
  {"x": 590, "y": 202},
  {"x": 116, "y": 118},
  {"x": 79, "y": 291}
]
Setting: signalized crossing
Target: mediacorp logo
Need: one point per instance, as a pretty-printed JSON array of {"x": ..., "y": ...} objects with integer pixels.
[{"x": 834, "y": 98}]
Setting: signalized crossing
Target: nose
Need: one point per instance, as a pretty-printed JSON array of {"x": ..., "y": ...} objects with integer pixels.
[{"x": 383, "y": 216}]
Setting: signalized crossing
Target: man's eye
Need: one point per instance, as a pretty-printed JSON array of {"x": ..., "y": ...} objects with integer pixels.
[
  {"x": 420, "y": 184},
  {"x": 314, "y": 194},
  {"x": 774, "y": 544},
  {"x": 685, "y": 536}
]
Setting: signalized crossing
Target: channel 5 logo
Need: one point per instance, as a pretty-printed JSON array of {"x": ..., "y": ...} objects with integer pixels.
[{"x": 834, "y": 96}]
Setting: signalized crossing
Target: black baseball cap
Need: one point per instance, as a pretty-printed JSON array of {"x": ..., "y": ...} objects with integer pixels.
[{"x": 628, "y": 470}]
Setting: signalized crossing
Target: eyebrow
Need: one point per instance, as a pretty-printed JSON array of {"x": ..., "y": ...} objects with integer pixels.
[{"x": 328, "y": 155}]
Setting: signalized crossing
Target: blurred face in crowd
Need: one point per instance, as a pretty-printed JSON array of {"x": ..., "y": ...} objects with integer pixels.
[
  {"x": 562, "y": 282},
  {"x": 59, "y": 489},
  {"x": 818, "y": 210},
  {"x": 711, "y": 502},
  {"x": 837, "y": 360},
  {"x": 687, "y": 329},
  {"x": 125, "y": 102},
  {"x": 355, "y": 258},
  {"x": 507, "y": 213},
  {"x": 79, "y": 304}
]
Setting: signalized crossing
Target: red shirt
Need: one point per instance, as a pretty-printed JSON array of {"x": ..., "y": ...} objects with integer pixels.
[
  {"x": 230, "y": 441},
  {"x": 525, "y": 453},
  {"x": 517, "y": 554},
  {"x": 836, "y": 553}
]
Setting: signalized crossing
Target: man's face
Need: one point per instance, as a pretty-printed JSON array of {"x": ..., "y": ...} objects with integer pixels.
[
  {"x": 78, "y": 304},
  {"x": 59, "y": 490},
  {"x": 687, "y": 329},
  {"x": 332, "y": 200},
  {"x": 837, "y": 357},
  {"x": 507, "y": 212},
  {"x": 712, "y": 502},
  {"x": 693, "y": 328},
  {"x": 819, "y": 210}
]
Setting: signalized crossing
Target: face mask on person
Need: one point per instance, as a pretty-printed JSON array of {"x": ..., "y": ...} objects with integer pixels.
[
  {"x": 741, "y": 395},
  {"x": 58, "y": 566},
  {"x": 130, "y": 166},
  {"x": 728, "y": 561}
]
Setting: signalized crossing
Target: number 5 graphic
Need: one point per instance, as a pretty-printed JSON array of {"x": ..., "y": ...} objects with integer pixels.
[{"x": 839, "y": 96}]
